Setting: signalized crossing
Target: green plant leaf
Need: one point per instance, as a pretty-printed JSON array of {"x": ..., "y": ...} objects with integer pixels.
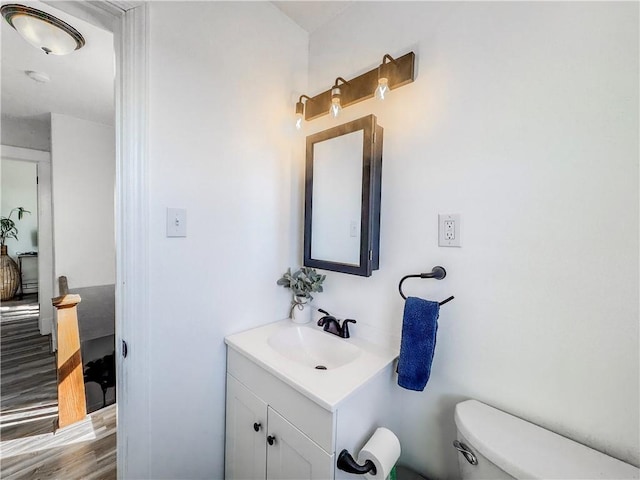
[
  {"x": 8, "y": 227},
  {"x": 302, "y": 282}
]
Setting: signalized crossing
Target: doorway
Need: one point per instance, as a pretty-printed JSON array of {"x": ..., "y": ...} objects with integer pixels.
[
  {"x": 77, "y": 126},
  {"x": 28, "y": 378},
  {"x": 128, "y": 21},
  {"x": 27, "y": 172}
]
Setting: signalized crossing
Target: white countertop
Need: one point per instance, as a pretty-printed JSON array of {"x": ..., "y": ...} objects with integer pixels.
[{"x": 325, "y": 387}]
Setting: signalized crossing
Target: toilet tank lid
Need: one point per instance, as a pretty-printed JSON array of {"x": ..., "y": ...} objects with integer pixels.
[{"x": 525, "y": 450}]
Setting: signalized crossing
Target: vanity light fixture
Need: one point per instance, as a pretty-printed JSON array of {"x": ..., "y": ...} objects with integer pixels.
[
  {"x": 390, "y": 74},
  {"x": 42, "y": 30},
  {"x": 335, "y": 107},
  {"x": 336, "y": 97},
  {"x": 385, "y": 71},
  {"x": 300, "y": 111}
]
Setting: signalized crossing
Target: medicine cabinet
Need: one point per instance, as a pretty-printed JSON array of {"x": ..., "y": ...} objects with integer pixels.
[{"x": 343, "y": 179}]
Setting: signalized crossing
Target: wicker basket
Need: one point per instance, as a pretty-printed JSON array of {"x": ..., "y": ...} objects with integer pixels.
[{"x": 10, "y": 275}]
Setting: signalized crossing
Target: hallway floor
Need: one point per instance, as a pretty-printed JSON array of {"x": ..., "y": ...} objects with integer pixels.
[
  {"x": 85, "y": 450},
  {"x": 29, "y": 400},
  {"x": 29, "y": 448}
]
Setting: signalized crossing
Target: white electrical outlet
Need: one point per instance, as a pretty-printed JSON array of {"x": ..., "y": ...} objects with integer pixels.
[{"x": 449, "y": 230}]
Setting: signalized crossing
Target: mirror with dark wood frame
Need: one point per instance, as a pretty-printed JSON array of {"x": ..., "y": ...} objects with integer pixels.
[{"x": 342, "y": 198}]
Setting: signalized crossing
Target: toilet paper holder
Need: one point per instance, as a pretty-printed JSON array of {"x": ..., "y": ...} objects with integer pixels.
[{"x": 347, "y": 464}]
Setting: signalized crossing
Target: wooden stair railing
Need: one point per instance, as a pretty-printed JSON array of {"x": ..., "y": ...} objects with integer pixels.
[{"x": 72, "y": 405}]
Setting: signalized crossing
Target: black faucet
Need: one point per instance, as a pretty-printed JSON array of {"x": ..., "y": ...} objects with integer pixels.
[{"x": 332, "y": 325}]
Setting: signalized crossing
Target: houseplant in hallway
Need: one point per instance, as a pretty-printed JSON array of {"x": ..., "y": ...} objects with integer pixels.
[
  {"x": 303, "y": 282},
  {"x": 8, "y": 267}
]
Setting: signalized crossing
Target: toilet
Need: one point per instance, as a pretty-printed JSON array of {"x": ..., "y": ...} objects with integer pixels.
[{"x": 495, "y": 445}]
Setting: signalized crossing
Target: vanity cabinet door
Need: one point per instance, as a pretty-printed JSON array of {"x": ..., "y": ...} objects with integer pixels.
[
  {"x": 246, "y": 438},
  {"x": 291, "y": 455}
]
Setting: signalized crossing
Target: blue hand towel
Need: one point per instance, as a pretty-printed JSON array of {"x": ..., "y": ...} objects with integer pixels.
[{"x": 419, "y": 329}]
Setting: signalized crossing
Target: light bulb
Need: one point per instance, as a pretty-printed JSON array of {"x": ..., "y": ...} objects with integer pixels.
[
  {"x": 383, "y": 88},
  {"x": 335, "y": 107},
  {"x": 300, "y": 113},
  {"x": 385, "y": 72}
]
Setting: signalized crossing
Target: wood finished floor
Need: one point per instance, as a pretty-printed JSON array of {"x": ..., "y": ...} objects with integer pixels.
[
  {"x": 29, "y": 447},
  {"x": 85, "y": 450},
  {"x": 29, "y": 397}
]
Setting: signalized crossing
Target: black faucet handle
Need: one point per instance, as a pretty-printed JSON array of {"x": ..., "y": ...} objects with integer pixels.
[
  {"x": 330, "y": 324},
  {"x": 345, "y": 327},
  {"x": 326, "y": 320},
  {"x": 323, "y": 320}
]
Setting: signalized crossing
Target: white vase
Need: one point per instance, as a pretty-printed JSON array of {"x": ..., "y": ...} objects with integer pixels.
[{"x": 300, "y": 310}]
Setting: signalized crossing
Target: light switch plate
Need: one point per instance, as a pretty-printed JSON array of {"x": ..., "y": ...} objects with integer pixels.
[
  {"x": 449, "y": 228},
  {"x": 176, "y": 222}
]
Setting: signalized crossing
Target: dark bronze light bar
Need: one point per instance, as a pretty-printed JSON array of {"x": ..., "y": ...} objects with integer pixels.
[{"x": 399, "y": 71}]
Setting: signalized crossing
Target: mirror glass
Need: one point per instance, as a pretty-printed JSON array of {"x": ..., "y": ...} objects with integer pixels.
[
  {"x": 342, "y": 197},
  {"x": 337, "y": 198}
]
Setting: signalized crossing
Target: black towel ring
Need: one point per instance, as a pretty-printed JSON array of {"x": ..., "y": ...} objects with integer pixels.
[{"x": 436, "y": 272}]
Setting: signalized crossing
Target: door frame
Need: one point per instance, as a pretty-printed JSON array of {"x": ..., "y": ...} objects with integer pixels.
[
  {"x": 128, "y": 20},
  {"x": 45, "y": 232}
]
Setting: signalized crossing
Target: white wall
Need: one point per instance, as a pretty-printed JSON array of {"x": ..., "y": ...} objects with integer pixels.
[
  {"x": 222, "y": 75},
  {"x": 83, "y": 180},
  {"x": 32, "y": 133},
  {"x": 19, "y": 189},
  {"x": 524, "y": 119}
]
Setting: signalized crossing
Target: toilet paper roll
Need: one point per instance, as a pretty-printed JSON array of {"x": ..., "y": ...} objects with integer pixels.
[{"x": 383, "y": 449}]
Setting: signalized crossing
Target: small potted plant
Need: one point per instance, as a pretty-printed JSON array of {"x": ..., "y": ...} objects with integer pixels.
[
  {"x": 8, "y": 267},
  {"x": 303, "y": 282}
]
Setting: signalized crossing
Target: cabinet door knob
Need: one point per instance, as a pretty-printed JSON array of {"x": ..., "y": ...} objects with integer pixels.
[
  {"x": 271, "y": 439},
  {"x": 256, "y": 426}
]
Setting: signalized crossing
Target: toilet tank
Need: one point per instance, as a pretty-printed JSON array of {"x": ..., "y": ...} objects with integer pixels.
[{"x": 509, "y": 447}]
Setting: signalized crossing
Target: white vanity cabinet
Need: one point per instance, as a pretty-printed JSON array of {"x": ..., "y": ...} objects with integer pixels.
[
  {"x": 245, "y": 452},
  {"x": 262, "y": 444},
  {"x": 274, "y": 431},
  {"x": 293, "y": 455}
]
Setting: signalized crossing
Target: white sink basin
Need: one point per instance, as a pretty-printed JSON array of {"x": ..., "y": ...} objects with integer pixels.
[
  {"x": 313, "y": 348},
  {"x": 291, "y": 352}
]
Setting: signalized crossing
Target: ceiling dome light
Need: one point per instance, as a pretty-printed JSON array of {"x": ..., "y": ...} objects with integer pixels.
[{"x": 43, "y": 31}]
